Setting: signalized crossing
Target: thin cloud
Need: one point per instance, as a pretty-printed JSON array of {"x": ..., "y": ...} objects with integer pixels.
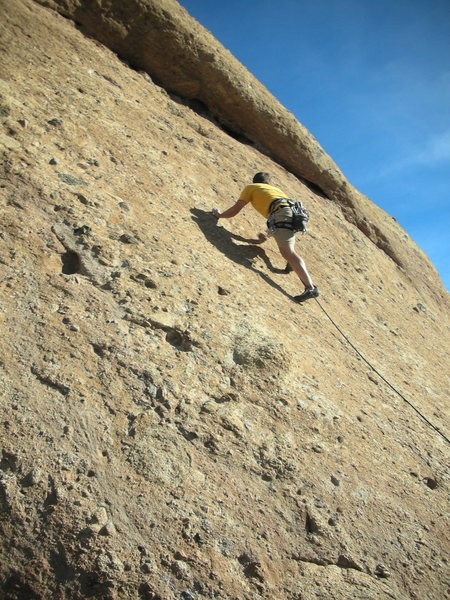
[
  {"x": 439, "y": 148},
  {"x": 432, "y": 153}
]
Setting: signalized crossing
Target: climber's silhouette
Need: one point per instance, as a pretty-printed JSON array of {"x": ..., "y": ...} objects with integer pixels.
[{"x": 244, "y": 255}]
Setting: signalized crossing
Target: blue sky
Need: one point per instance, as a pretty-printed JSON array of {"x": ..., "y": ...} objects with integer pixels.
[{"x": 370, "y": 79}]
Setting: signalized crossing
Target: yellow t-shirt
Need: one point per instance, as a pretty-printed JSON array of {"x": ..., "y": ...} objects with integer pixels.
[{"x": 261, "y": 195}]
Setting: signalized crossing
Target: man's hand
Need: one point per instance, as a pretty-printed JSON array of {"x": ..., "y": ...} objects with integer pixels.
[{"x": 216, "y": 213}]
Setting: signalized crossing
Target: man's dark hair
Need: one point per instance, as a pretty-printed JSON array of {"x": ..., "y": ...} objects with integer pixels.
[{"x": 261, "y": 178}]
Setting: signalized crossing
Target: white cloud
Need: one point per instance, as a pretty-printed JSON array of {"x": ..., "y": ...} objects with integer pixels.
[
  {"x": 439, "y": 148},
  {"x": 431, "y": 153}
]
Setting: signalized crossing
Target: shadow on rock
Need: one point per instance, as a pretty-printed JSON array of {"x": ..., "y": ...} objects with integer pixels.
[{"x": 224, "y": 241}]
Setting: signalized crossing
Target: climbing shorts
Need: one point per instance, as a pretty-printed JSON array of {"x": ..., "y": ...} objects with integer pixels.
[{"x": 282, "y": 235}]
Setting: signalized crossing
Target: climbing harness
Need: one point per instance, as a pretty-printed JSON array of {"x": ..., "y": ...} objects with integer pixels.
[
  {"x": 381, "y": 376},
  {"x": 299, "y": 216}
]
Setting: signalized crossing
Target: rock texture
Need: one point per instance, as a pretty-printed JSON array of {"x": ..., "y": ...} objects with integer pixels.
[
  {"x": 173, "y": 426},
  {"x": 160, "y": 37}
]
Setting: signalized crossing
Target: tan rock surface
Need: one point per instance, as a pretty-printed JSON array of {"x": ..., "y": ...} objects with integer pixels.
[
  {"x": 160, "y": 37},
  {"x": 173, "y": 425}
]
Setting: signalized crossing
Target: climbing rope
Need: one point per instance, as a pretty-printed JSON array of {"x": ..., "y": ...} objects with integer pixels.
[{"x": 381, "y": 376}]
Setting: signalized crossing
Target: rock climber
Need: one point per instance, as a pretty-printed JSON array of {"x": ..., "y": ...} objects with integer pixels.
[{"x": 262, "y": 196}]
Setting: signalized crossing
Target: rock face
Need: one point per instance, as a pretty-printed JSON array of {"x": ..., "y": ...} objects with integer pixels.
[
  {"x": 173, "y": 426},
  {"x": 161, "y": 38}
]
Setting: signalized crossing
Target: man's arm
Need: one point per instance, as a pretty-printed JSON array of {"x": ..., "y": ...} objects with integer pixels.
[{"x": 230, "y": 212}]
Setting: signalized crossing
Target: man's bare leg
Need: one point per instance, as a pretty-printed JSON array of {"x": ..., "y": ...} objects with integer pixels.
[{"x": 287, "y": 251}]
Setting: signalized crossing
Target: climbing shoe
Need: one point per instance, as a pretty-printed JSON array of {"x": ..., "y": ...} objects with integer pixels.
[{"x": 307, "y": 294}]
